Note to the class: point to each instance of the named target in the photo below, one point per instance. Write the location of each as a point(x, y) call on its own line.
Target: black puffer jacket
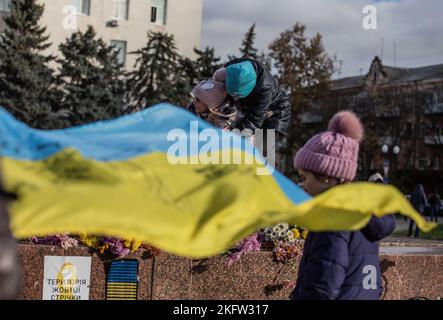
point(268, 106)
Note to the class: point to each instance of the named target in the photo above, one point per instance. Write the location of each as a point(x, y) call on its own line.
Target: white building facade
point(123, 23)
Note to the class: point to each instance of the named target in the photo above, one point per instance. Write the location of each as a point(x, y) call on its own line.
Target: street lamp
point(386, 163)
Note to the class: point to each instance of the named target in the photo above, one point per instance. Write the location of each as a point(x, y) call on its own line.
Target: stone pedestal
point(256, 276)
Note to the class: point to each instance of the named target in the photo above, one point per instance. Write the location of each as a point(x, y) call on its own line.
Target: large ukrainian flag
point(117, 178)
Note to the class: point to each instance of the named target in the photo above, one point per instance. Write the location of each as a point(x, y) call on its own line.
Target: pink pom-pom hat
point(333, 153)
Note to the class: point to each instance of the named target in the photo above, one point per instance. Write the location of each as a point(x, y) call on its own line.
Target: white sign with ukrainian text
point(66, 278)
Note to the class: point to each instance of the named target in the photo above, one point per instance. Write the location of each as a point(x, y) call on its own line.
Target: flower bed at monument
point(284, 240)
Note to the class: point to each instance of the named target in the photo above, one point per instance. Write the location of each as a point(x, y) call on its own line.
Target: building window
point(4, 5)
point(120, 46)
point(120, 9)
point(83, 6)
point(158, 11)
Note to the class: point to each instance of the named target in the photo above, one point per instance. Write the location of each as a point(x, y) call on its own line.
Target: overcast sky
point(416, 26)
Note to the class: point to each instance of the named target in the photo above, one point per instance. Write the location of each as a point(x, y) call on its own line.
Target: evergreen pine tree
point(188, 73)
point(207, 63)
point(91, 78)
point(25, 78)
point(157, 77)
point(191, 72)
point(247, 49)
point(265, 60)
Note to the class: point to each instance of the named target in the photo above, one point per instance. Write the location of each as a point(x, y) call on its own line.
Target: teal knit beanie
point(240, 79)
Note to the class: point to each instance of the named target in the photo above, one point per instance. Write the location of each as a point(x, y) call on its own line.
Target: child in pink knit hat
point(208, 94)
point(338, 265)
point(330, 158)
point(211, 102)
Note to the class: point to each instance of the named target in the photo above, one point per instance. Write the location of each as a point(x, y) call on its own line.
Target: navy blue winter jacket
point(343, 265)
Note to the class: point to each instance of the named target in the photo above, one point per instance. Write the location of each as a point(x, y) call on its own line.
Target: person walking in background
point(434, 202)
point(419, 201)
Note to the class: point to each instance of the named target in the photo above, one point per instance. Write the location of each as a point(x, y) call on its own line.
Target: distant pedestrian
point(434, 202)
point(419, 201)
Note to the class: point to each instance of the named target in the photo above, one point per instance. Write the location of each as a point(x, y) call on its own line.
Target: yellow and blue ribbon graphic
point(116, 178)
point(122, 282)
